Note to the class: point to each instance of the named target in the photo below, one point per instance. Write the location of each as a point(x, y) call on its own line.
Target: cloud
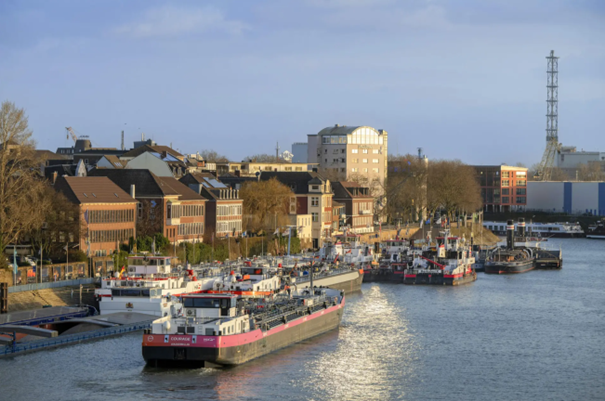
point(169, 21)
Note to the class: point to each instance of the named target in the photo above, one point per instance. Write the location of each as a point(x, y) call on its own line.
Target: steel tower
point(552, 118)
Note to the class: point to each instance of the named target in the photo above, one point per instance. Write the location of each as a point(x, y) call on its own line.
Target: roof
point(153, 149)
point(146, 183)
point(61, 170)
point(92, 190)
point(347, 190)
point(115, 161)
point(183, 190)
point(206, 179)
point(48, 155)
point(343, 130)
point(297, 181)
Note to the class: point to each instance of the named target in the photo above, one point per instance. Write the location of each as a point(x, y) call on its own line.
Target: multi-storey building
point(351, 153)
point(223, 206)
point(503, 188)
point(358, 205)
point(250, 168)
point(312, 195)
point(165, 204)
point(107, 213)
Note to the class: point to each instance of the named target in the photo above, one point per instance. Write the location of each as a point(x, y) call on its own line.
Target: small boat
point(510, 259)
point(596, 231)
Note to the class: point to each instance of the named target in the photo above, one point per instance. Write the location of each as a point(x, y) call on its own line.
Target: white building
point(566, 197)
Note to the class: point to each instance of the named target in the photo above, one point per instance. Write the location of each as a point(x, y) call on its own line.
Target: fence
point(54, 284)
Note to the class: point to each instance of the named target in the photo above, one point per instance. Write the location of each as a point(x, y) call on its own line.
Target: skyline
point(236, 78)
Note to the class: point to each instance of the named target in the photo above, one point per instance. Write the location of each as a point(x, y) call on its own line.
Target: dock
point(72, 331)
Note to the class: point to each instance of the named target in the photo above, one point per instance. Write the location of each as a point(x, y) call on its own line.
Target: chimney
point(132, 191)
point(510, 234)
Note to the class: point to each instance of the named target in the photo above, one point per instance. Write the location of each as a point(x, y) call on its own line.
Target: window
point(343, 151)
point(375, 170)
point(365, 151)
point(520, 199)
point(314, 201)
point(521, 174)
point(521, 191)
point(375, 151)
point(354, 169)
point(355, 151)
point(343, 160)
point(505, 199)
point(375, 161)
point(342, 170)
point(521, 183)
point(364, 160)
point(315, 217)
point(505, 183)
point(354, 160)
point(326, 151)
point(365, 170)
point(505, 174)
point(505, 191)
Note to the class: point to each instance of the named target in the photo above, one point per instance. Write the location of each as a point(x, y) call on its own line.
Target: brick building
point(223, 205)
point(165, 204)
point(503, 188)
point(107, 213)
point(312, 195)
point(358, 205)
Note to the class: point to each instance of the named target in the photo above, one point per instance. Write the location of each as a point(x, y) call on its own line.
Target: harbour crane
point(71, 132)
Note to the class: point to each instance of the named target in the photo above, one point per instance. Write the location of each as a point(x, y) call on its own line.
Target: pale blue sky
point(462, 79)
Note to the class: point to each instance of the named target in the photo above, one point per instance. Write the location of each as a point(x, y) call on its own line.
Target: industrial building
point(567, 197)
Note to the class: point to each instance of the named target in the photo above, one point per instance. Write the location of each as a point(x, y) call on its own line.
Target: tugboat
point(450, 263)
point(510, 259)
point(596, 231)
point(209, 330)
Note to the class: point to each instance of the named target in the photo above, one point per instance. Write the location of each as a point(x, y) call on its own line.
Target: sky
point(463, 79)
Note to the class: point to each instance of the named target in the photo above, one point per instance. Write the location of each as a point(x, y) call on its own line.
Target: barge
point(224, 330)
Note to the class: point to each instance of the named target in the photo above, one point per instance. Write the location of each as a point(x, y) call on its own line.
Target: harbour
point(547, 323)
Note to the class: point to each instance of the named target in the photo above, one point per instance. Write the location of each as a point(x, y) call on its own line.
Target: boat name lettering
point(180, 339)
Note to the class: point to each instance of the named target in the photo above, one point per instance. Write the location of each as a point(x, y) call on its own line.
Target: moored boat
point(510, 259)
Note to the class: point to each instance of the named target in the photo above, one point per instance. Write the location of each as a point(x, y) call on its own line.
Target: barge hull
point(438, 279)
point(347, 282)
point(498, 268)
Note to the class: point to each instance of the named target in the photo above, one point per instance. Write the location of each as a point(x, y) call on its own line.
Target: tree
point(452, 186)
point(62, 223)
point(591, 171)
point(265, 158)
point(266, 204)
point(23, 205)
point(152, 214)
point(406, 187)
point(213, 157)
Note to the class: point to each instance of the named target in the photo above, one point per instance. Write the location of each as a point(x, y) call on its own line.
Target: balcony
point(173, 221)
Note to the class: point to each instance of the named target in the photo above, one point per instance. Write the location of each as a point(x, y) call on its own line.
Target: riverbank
point(62, 296)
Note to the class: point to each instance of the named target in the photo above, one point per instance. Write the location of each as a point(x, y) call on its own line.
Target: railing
point(54, 284)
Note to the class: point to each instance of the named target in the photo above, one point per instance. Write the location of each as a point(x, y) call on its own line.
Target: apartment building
point(350, 153)
point(107, 213)
point(503, 188)
point(312, 195)
point(358, 205)
point(165, 204)
point(223, 206)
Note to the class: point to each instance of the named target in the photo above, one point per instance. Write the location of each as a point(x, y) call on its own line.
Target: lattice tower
point(552, 118)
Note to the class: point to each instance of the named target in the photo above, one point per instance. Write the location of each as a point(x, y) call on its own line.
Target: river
point(533, 336)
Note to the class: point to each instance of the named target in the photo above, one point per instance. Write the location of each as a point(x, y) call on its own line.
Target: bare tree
point(23, 205)
point(266, 204)
point(212, 157)
point(265, 158)
point(591, 171)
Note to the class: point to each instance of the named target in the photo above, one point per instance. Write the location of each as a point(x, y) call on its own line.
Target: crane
point(71, 132)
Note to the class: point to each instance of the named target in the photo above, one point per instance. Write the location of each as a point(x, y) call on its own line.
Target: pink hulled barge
point(227, 329)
